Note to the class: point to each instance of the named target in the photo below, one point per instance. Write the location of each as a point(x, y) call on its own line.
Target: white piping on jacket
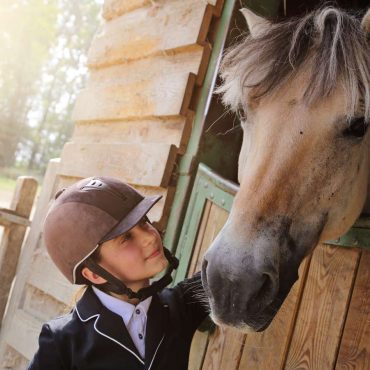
point(107, 336)
point(155, 353)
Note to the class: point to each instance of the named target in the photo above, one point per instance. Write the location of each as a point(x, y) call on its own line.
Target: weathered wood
point(9, 217)
point(13, 235)
point(31, 243)
point(149, 87)
point(144, 164)
point(202, 349)
point(13, 360)
point(323, 309)
point(267, 350)
point(197, 250)
point(354, 350)
point(216, 220)
point(115, 8)
point(46, 277)
point(167, 130)
point(151, 30)
point(198, 349)
point(224, 349)
point(25, 333)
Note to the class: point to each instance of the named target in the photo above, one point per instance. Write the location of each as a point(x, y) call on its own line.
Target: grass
point(6, 183)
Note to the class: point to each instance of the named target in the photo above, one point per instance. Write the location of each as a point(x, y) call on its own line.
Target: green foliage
point(45, 44)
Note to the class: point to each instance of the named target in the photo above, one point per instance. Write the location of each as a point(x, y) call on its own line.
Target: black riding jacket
point(91, 337)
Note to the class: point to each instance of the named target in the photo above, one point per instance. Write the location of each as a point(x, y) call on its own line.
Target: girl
point(97, 234)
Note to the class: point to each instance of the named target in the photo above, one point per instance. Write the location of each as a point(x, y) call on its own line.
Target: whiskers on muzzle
point(195, 294)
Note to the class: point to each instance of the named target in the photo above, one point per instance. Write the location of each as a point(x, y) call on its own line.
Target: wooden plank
point(224, 349)
point(46, 277)
point(13, 360)
point(9, 217)
point(213, 219)
point(24, 334)
point(115, 8)
point(323, 309)
point(197, 350)
point(43, 306)
point(134, 163)
point(24, 266)
point(167, 130)
point(12, 238)
point(216, 220)
point(150, 30)
point(145, 88)
point(199, 241)
point(354, 350)
point(263, 350)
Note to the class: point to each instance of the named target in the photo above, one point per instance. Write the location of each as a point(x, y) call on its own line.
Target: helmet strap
point(115, 285)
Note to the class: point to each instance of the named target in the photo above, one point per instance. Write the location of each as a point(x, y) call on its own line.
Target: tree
point(47, 65)
point(63, 76)
point(24, 44)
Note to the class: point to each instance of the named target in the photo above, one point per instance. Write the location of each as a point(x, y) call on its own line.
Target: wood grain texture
point(12, 238)
point(150, 30)
point(115, 8)
point(267, 350)
point(216, 218)
point(224, 349)
point(323, 309)
point(155, 130)
point(25, 333)
point(354, 350)
point(145, 88)
point(12, 324)
point(197, 350)
point(46, 277)
point(195, 258)
point(143, 164)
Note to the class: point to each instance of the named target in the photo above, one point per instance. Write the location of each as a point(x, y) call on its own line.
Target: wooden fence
point(15, 220)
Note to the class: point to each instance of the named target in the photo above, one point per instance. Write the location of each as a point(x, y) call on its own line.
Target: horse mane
point(328, 40)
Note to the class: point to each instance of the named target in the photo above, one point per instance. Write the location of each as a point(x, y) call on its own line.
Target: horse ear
point(366, 22)
point(256, 24)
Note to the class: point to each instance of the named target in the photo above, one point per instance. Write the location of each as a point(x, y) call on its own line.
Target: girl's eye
point(125, 237)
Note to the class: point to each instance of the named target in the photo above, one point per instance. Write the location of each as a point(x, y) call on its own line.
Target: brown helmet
point(87, 214)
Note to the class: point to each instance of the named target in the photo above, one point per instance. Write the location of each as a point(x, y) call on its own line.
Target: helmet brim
point(132, 218)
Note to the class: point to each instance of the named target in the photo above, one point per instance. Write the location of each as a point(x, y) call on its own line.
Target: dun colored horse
point(302, 91)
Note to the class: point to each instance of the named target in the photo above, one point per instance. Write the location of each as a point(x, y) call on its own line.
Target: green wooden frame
point(357, 236)
point(210, 186)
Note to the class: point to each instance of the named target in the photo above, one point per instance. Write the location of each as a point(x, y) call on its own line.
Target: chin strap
point(115, 285)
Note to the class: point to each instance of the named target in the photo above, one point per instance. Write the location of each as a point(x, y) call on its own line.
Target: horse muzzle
point(244, 290)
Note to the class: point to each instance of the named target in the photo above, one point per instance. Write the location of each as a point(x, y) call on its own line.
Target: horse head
point(302, 91)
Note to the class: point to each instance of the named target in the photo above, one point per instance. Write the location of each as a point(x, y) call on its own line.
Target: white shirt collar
point(122, 308)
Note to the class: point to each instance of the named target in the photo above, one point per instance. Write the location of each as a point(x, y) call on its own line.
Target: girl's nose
point(147, 235)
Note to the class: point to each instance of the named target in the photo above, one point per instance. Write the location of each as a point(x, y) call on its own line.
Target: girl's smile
point(133, 257)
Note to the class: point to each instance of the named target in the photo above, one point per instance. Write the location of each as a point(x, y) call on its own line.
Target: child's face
point(136, 255)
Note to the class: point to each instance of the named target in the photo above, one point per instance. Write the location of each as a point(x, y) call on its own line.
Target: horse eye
point(357, 127)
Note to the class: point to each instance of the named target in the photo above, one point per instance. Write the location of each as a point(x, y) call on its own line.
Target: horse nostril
point(265, 294)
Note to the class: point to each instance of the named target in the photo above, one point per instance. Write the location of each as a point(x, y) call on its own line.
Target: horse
point(301, 89)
